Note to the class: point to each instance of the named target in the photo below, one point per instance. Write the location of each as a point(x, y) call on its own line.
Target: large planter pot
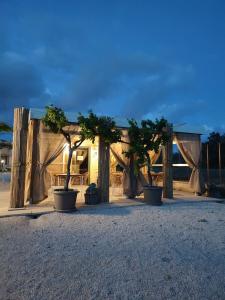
point(153, 195)
point(65, 200)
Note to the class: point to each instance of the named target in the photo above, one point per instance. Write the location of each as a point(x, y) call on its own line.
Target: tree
point(143, 139)
point(89, 127)
point(214, 141)
point(56, 121)
point(103, 127)
point(216, 137)
point(4, 127)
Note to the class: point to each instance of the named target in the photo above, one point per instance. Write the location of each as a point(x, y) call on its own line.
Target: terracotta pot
point(153, 195)
point(65, 200)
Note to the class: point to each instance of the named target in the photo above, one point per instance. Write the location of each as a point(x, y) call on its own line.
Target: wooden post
point(20, 128)
point(220, 165)
point(207, 155)
point(103, 170)
point(132, 179)
point(168, 165)
point(31, 159)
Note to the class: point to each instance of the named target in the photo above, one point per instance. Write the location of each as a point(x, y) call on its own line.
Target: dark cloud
point(159, 89)
point(108, 76)
point(58, 43)
point(179, 112)
point(145, 83)
point(19, 82)
point(82, 56)
point(47, 38)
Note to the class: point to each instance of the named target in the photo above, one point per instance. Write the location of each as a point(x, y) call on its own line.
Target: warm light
point(80, 157)
point(94, 154)
point(2, 161)
point(66, 148)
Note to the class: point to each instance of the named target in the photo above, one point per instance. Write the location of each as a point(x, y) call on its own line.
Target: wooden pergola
point(23, 123)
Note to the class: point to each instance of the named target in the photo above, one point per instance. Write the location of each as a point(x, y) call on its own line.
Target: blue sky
point(124, 58)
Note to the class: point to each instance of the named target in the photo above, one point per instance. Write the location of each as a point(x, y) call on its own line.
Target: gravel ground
point(176, 251)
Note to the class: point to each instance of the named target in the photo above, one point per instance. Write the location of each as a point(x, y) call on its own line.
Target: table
point(62, 176)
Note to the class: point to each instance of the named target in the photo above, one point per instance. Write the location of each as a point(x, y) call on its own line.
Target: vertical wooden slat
point(31, 159)
point(103, 171)
point(207, 155)
point(20, 128)
point(220, 165)
point(168, 165)
point(132, 179)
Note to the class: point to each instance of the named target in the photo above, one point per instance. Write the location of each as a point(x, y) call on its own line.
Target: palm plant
point(4, 127)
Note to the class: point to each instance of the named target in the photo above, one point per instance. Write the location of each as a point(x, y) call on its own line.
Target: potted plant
point(105, 128)
point(56, 121)
point(89, 127)
point(143, 139)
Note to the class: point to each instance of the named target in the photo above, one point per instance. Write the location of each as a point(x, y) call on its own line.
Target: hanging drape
point(124, 163)
point(48, 146)
point(190, 147)
point(155, 156)
point(132, 185)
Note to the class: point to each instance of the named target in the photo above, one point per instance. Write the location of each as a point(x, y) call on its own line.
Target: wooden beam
point(20, 129)
point(220, 163)
point(207, 155)
point(132, 179)
point(168, 165)
point(31, 159)
point(103, 170)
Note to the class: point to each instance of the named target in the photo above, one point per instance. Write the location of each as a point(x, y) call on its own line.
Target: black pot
point(153, 195)
point(91, 198)
point(65, 200)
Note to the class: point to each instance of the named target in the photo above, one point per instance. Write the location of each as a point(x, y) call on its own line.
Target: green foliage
point(55, 119)
point(210, 149)
point(216, 137)
point(4, 127)
point(90, 127)
point(104, 127)
point(144, 138)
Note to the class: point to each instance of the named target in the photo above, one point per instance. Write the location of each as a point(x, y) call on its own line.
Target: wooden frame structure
point(24, 126)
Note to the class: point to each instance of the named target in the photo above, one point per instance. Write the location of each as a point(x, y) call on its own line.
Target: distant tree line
point(215, 145)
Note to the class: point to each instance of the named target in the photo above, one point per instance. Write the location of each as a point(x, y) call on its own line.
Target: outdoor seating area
point(48, 153)
point(76, 179)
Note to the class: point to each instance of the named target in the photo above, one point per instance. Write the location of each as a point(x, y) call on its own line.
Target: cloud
point(19, 82)
point(182, 111)
point(108, 77)
point(78, 72)
point(161, 90)
point(141, 83)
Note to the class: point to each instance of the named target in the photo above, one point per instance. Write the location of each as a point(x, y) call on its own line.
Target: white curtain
point(132, 185)
point(190, 147)
point(48, 146)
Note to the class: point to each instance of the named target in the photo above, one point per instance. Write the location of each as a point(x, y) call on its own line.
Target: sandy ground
point(176, 251)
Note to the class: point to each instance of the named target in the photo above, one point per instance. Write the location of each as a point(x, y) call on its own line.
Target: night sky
point(123, 58)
